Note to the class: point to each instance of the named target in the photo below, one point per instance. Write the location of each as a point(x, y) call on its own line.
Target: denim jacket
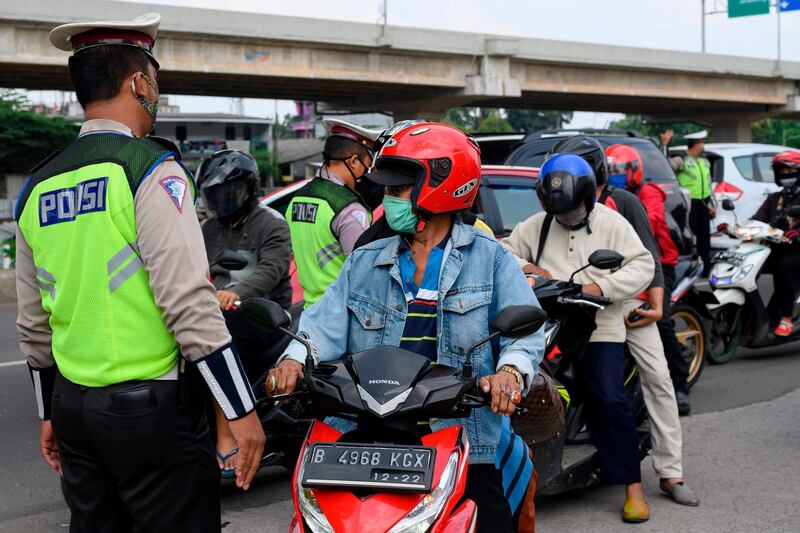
point(366, 307)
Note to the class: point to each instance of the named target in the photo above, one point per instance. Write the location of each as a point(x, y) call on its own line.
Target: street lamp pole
point(778, 8)
point(703, 25)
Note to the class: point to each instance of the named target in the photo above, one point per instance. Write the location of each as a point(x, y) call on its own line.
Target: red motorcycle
point(384, 474)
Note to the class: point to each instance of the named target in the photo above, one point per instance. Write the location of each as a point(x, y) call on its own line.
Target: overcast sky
point(663, 24)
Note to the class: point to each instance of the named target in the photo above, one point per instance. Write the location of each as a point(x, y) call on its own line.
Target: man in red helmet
point(434, 289)
point(784, 261)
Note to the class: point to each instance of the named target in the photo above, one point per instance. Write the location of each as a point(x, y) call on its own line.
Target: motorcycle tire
point(720, 352)
point(691, 331)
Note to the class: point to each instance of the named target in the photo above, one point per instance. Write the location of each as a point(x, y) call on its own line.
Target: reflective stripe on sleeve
point(227, 381)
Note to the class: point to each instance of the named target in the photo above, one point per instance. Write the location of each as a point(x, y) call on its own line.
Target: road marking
point(13, 363)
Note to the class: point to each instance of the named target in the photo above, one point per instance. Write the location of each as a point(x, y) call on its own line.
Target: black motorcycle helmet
point(590, 150)
point(566, 182)
point(228, 182)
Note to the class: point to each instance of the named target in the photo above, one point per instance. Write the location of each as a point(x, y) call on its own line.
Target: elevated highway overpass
point(408, 71)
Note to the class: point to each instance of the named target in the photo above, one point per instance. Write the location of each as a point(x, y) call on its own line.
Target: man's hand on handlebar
point(592, 289)
point(283, 378)
point(227, 299)
point(530, 268)
point(498, 385)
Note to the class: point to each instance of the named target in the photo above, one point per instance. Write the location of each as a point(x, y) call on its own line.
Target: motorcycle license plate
point(349, 466)
point(732, 258)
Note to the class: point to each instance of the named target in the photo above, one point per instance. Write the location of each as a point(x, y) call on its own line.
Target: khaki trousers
point(659, 396)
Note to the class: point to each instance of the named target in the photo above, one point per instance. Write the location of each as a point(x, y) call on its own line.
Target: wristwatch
point(516, 373)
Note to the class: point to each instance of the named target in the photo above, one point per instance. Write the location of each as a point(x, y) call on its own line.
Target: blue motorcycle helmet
point(566, 182)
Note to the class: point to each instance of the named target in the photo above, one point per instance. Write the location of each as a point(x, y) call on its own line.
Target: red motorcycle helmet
point(790, 159)
point(624, 159)
point(441, 162)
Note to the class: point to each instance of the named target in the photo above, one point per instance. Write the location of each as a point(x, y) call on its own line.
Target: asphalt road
point(741, 449)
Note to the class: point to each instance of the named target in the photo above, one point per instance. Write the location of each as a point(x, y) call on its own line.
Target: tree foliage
point(777, 131)
point(478, 120)
point(649, 129)
point(26, 137)
point(284, 126)
point(531, 120)
point(263, 159)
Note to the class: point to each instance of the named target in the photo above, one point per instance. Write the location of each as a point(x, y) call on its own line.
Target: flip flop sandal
point(227, 473)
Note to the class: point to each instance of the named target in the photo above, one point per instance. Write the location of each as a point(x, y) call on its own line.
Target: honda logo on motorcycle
point(383, 382)
point(465, 189)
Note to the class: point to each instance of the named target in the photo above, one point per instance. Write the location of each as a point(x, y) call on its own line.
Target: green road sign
point(746, 8)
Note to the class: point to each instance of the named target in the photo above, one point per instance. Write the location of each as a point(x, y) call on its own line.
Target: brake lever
point(471, 400)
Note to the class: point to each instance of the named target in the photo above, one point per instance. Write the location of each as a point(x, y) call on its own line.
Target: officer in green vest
point(115, 299)
point(694, 173)
point(328, 215)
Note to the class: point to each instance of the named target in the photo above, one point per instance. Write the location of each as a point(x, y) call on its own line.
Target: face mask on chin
point(574, 219)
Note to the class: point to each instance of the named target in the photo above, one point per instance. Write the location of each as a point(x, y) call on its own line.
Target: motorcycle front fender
point(727, 296)
point(700, 302)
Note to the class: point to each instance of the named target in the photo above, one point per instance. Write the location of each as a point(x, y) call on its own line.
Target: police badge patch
point(176, 188)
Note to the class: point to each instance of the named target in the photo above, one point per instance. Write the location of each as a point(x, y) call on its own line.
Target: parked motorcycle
point(384, 476)
point(570, 460)
point(740, 315)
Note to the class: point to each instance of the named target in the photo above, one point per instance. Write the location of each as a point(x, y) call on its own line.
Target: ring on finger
point(272, 383)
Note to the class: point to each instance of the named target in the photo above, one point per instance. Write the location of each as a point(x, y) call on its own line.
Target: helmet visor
point(225, 199)
point(622, 167)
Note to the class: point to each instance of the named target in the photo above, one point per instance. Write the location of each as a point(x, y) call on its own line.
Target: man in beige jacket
point(573, 227)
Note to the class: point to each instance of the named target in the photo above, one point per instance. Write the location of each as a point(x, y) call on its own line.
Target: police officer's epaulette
point(169, 145)
point(44, 161)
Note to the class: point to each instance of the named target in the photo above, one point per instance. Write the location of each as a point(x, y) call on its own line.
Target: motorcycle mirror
point(727, 204)
point(272, 317)
point(230, 260)
point(606, 259)
point(793, 211)
point(266, 314)
point(518, 321)
point(602, 259)
point(514, 322)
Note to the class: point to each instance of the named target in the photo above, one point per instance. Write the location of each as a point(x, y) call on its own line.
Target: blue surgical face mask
point(399, 215)
point(618, 180)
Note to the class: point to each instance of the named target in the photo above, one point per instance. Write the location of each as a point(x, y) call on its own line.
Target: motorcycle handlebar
point(599, 300)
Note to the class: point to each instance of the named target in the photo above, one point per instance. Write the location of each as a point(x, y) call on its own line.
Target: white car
point(741, 172)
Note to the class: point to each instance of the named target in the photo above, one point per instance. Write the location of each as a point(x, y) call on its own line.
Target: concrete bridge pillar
point(733, 129)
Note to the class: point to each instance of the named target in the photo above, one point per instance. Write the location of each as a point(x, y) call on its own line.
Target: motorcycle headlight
point(309, 506)
point(422, 517)
point(745, 233)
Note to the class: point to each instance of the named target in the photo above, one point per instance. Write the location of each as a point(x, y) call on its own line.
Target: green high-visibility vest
point(77, 214)
point(696, 177)
point(317, 253)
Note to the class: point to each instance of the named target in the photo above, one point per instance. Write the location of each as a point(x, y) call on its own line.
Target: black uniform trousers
point(677, 363)
point(700, 222)
point(136, 457)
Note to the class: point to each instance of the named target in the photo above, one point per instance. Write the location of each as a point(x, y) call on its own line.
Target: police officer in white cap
point(694, 173)
point(118, 320)
point(328, 215)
